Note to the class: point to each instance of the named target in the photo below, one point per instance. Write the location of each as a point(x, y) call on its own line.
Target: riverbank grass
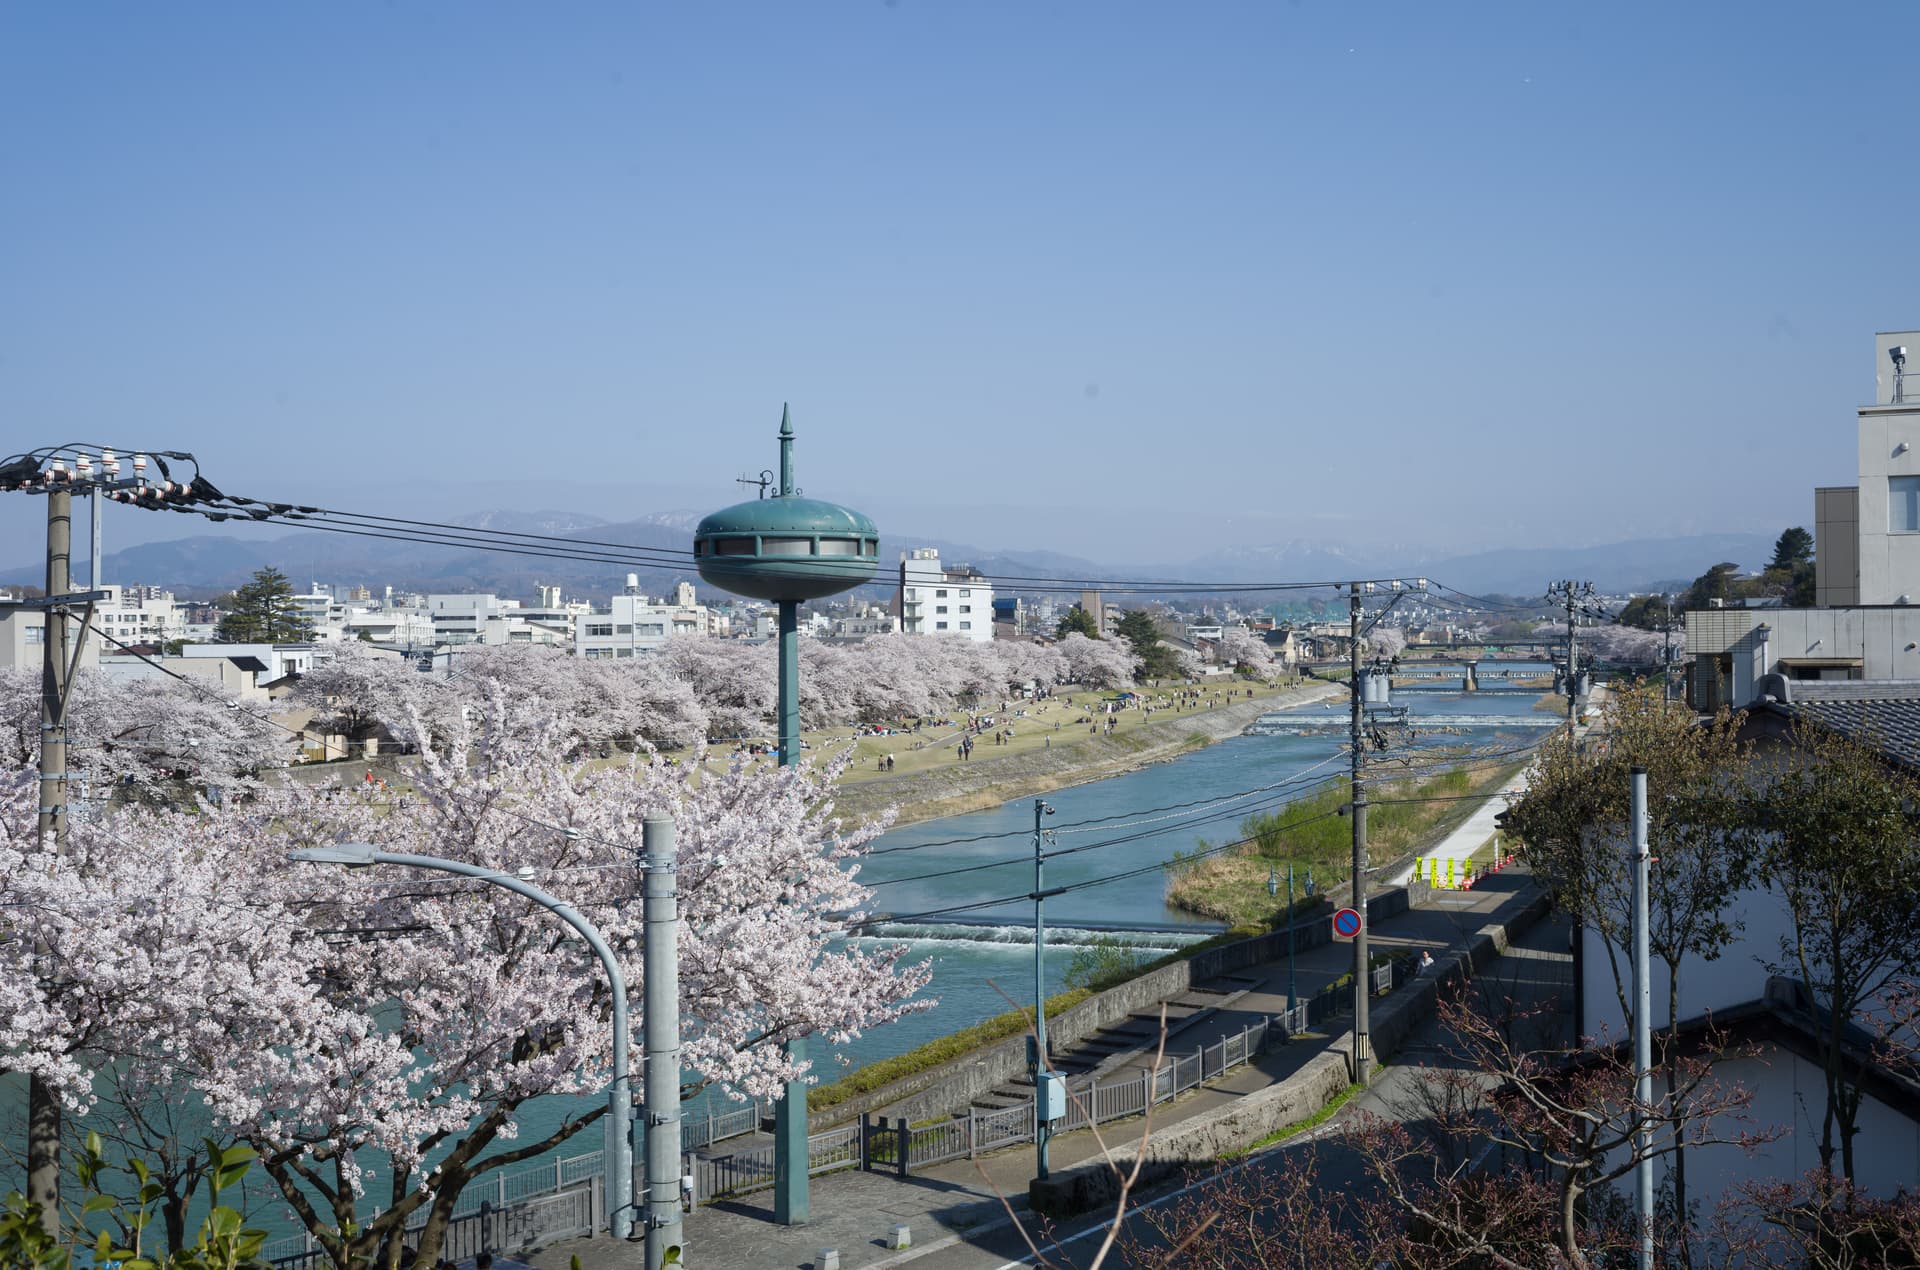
point(1403, 817)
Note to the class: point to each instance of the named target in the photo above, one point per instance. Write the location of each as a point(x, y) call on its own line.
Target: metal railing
point(544, 1203)
point(504, 1190)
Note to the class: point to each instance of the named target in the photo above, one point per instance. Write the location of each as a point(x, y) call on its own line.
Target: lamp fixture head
point(1899, 354)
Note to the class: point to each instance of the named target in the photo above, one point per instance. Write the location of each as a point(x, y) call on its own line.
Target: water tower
point(787, 549)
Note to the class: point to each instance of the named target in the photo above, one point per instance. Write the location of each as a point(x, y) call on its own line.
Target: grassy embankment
point(1054, 744)
point(1309, 833)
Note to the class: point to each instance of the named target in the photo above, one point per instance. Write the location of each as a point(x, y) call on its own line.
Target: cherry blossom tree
point(1626, 644)
point(356, 689)
point(733, 680)
point(1386, 641)
point(1244, 651)
point(374, 1035)
point(1099, 663)
point(151, 735)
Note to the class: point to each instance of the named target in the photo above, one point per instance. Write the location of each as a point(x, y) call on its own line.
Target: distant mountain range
point(207, 565)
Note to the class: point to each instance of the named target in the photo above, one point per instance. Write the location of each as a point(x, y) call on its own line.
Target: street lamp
point(619, 1174)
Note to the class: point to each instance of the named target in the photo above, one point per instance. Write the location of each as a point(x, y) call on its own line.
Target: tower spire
point(786, 450)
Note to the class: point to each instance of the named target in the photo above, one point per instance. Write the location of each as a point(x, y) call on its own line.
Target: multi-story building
point(1866, 623)
point(470, 619)
point(635, 624)
point(938, 599)
point(23, 638)
point(139, 615)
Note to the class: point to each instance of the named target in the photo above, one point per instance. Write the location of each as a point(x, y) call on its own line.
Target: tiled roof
point(1883, 715)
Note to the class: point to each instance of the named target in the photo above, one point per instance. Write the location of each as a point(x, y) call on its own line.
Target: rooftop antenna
point(763, 480)
point(1899, 355)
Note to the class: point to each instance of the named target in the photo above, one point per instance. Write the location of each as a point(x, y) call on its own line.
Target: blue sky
point(1127, 280)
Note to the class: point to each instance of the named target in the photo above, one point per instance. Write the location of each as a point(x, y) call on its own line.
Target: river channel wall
point(987, 780)
point(1233, 1128)
point(952, 1086)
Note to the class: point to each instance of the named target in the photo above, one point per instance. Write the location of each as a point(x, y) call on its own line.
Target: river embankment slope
point(1074, 758)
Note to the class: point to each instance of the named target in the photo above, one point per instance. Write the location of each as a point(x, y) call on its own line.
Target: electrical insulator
point(140, 465)
point(109, 463)
point(84, 467)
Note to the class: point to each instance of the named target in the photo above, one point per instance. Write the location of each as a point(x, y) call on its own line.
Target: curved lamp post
point(619, 1172)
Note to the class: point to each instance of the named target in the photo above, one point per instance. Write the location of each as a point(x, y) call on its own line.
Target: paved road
point(1535, 972)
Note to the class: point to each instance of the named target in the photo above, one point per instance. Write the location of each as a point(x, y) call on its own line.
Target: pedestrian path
point(1472, 834)
point(853, 1212)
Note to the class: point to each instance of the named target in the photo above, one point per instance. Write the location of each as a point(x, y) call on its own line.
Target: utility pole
point(1356, 738)
point(1572, 594)
point(660, 980)
point(45, 471)
point(43, 1106)
point(1042, 1108)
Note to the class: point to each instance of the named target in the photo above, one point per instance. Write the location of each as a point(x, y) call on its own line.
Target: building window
point(624, 628)
point(939, 608)
point(941, 594)
point(913, 593)
point(966, 608)
point(623, 652)
point(601, 629)
point(939, 626)
point(652, 628)
point(966, 626)
point(1903, 507)
point(965, 592)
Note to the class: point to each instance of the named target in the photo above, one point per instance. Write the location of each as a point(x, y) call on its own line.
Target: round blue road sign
point(1346, 923)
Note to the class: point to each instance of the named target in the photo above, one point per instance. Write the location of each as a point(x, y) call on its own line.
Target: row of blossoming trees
point(703, 688)
point(373, 1035)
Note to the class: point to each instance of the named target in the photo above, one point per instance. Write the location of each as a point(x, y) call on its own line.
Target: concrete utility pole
point(43, 1107)
point(1356, 736)
point(47, 471)
point(1041, 1106)
point(1572, 594)
point(1642, 1025)
point(660, 979)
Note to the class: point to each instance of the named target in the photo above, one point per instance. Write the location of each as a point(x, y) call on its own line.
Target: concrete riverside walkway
point(852, 1211)
point(1473, 831)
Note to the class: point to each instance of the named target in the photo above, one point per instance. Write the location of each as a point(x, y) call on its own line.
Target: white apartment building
point(139, 615)
point(470, 619)
point(936, 599)
point(323, 617)
point(408, 627)
point(634, 624)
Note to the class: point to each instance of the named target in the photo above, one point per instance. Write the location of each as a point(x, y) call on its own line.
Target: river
point(1110, 839)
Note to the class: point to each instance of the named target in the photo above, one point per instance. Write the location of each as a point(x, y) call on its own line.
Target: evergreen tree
point(1794, 547)
point(1077, 621)
point(261, 612)
point(1157, 660)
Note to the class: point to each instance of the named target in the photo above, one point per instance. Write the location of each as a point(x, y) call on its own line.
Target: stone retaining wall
point(1203, 1139)
point(953, 1085)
